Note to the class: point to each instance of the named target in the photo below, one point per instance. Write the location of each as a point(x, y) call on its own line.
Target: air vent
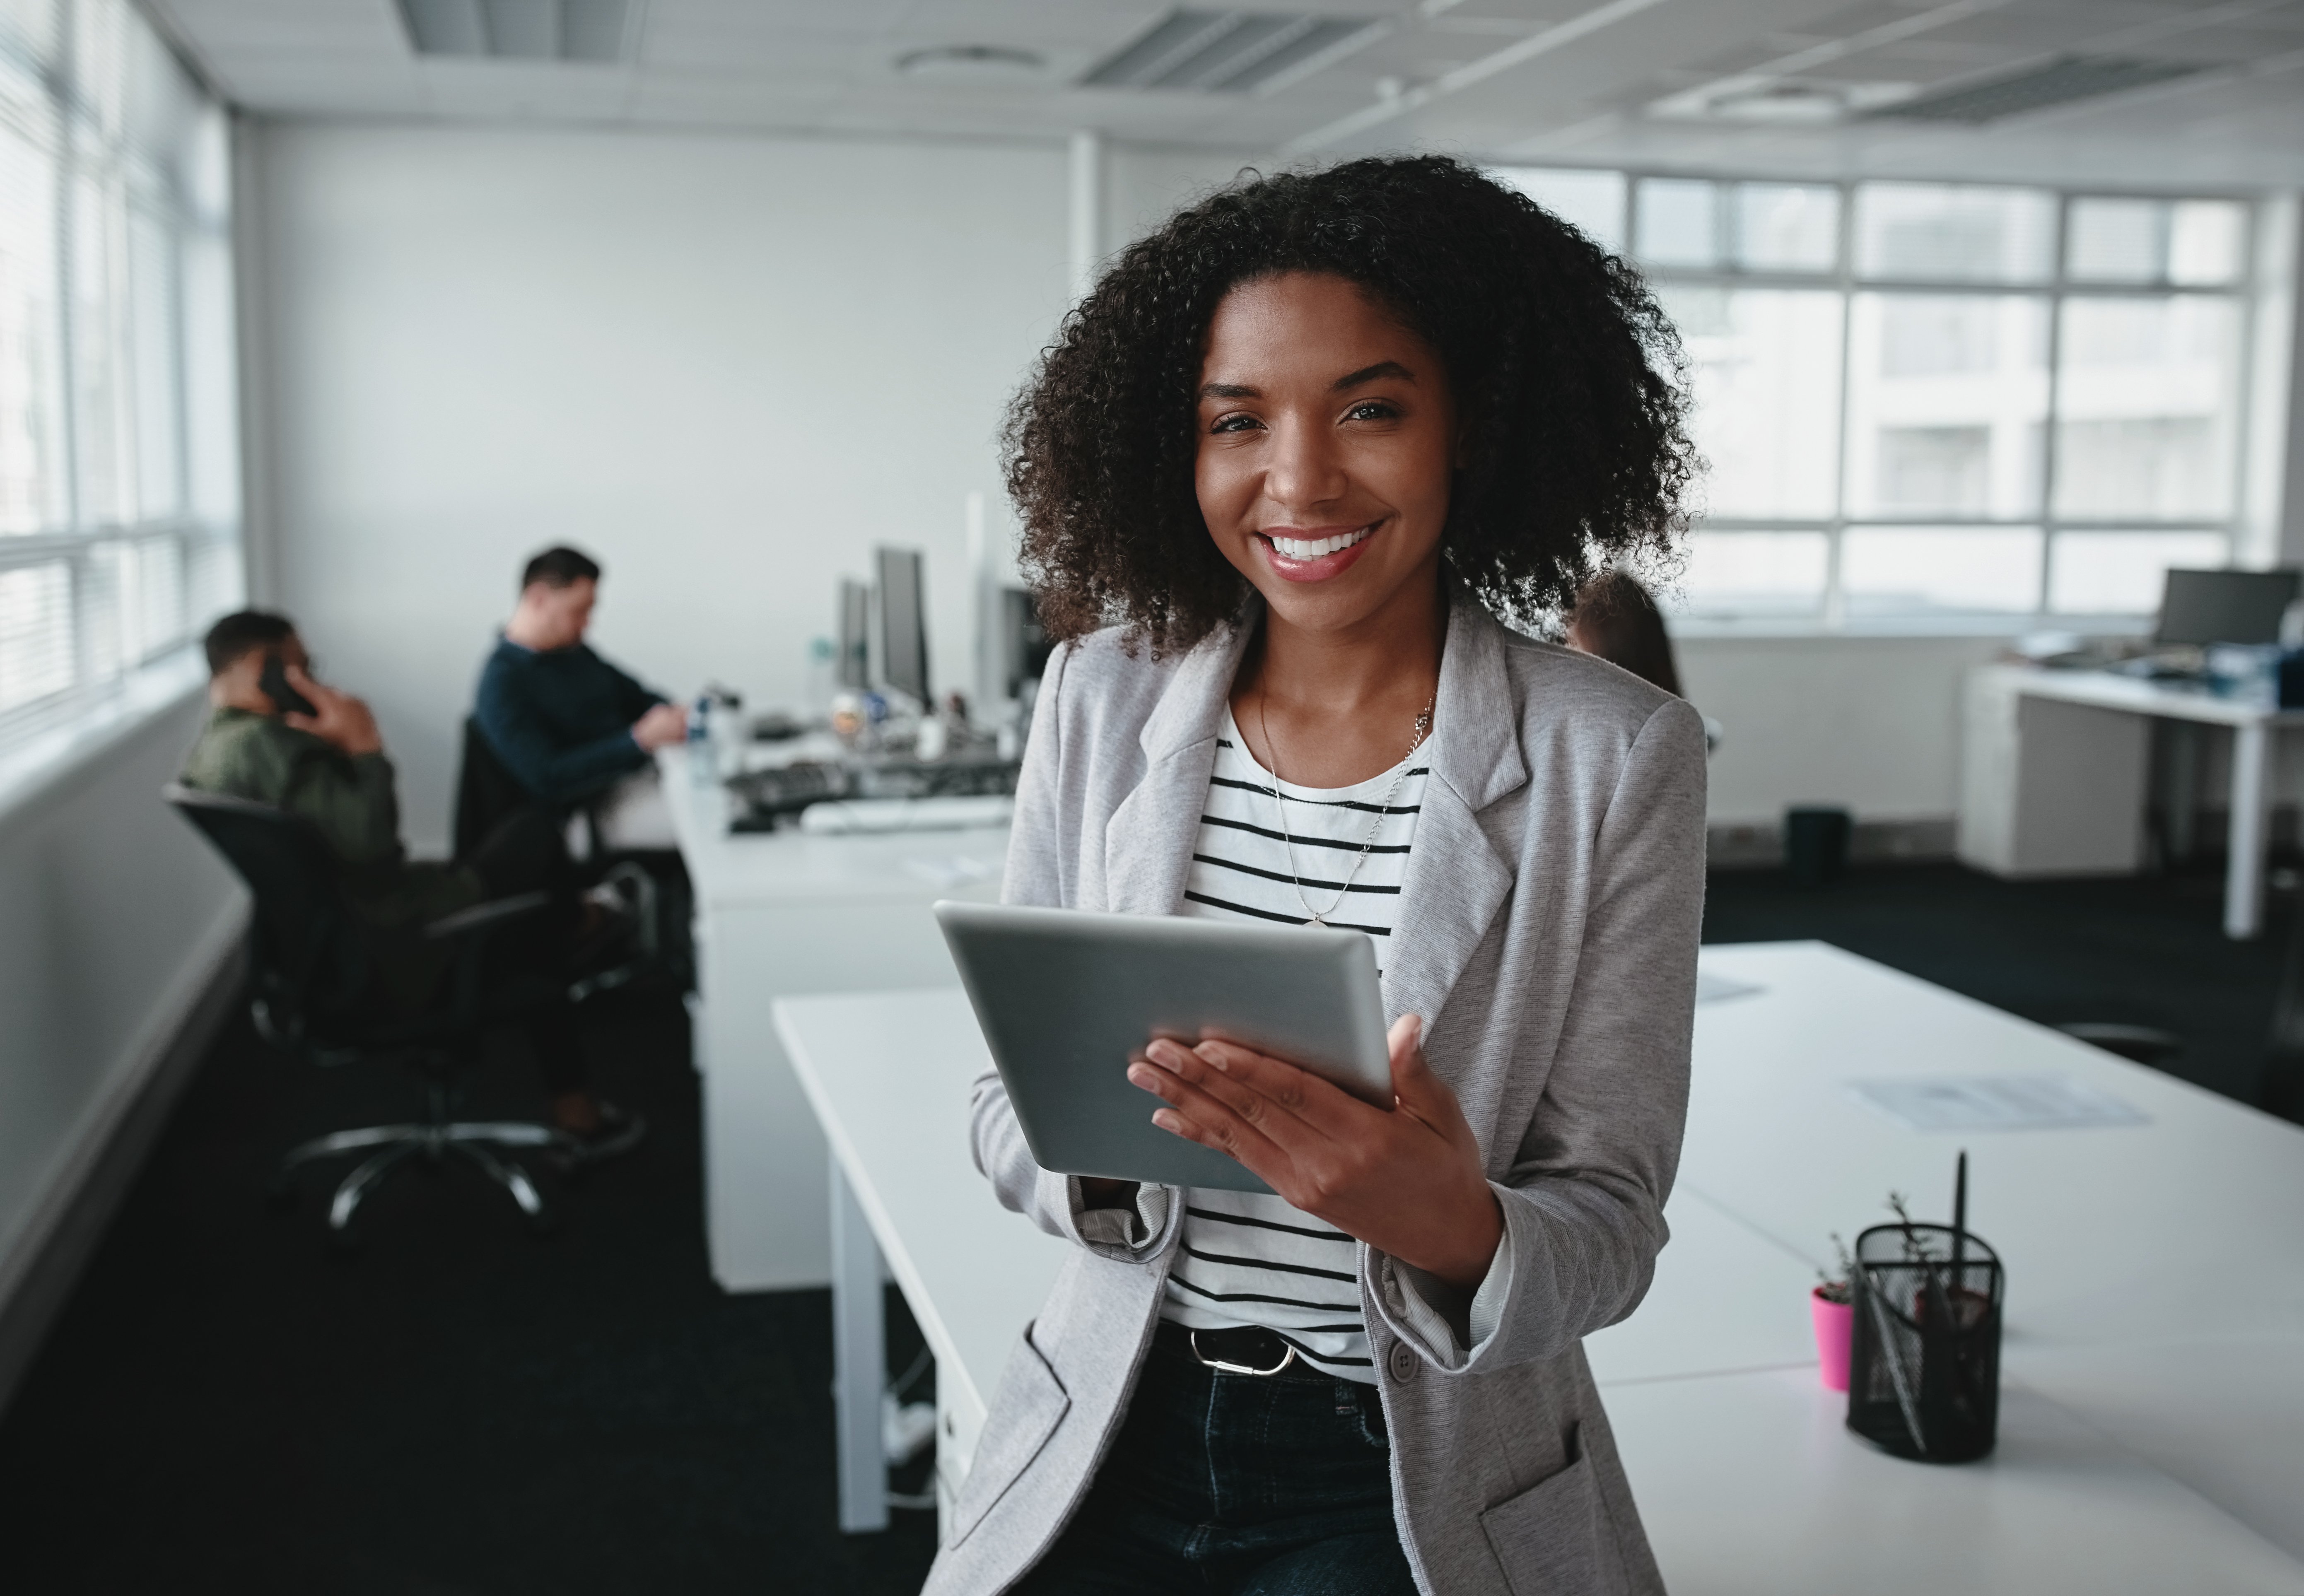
point(589, 30)
point(1229, 52)
point(2066, 79)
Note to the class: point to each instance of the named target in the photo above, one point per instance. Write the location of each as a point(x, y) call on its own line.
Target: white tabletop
point(2120, 1233)
point(2152, 1435)
point(2156, 1271)
point(1750, 1485)
point(2177, 700)
point(888, 1075)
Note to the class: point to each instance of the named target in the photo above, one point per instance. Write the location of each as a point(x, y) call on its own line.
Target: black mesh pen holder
point(1924, 1358)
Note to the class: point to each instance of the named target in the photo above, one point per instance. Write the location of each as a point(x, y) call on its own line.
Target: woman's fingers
point(1230, 1087)
point(1418, 1089)
point(1297, 1092)
point(1200, 1116)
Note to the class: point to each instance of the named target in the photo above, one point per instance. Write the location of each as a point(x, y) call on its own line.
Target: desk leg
point(860, 1362)
point(2252, 817)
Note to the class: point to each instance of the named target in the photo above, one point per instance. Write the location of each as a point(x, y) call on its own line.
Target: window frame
point(90, 147)
point(2054, 292)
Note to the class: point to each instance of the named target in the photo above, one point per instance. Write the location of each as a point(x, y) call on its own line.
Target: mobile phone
point(274, 681)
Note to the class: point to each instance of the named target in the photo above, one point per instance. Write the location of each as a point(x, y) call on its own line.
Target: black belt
point(1241, 1349)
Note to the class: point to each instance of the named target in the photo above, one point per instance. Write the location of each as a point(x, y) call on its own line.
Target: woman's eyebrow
point(1368, 374)
point(1352, 379)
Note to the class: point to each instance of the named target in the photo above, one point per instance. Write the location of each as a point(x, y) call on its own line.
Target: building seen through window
point(1933, 399)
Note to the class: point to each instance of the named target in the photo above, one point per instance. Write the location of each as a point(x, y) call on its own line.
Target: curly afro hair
point(1568, 376)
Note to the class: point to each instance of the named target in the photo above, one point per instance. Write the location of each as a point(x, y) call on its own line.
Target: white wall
point(1869, 722)
point(113, 914)
point(732, 365)
point(728, 366)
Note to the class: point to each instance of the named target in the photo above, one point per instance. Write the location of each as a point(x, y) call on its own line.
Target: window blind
point(120, 534)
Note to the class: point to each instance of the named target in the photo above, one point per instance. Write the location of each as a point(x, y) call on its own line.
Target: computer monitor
point(851, 666)
point(1024, 646)
point(2224, 606)
point(902, 632)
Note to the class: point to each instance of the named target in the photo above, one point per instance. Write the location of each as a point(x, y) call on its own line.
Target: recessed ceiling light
point(1783, 101)
point(985, 61)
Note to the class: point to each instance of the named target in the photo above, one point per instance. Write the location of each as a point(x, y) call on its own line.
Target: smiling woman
point(1289, 455)
point(1572, 450)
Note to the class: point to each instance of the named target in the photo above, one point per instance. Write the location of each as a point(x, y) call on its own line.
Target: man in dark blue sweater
point(566, 723)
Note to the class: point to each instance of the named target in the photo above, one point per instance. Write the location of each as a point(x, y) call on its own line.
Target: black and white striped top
point(1250, 1258)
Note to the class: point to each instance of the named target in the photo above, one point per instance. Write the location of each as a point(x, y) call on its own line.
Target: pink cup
point(1832, 1322)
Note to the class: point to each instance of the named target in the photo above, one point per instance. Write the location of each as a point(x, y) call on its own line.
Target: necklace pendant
point(1316, 920)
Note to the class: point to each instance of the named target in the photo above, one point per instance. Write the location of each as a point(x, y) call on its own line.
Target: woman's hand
point(1407, 1181)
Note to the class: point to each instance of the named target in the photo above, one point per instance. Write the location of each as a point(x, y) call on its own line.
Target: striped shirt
point(1250, 1258)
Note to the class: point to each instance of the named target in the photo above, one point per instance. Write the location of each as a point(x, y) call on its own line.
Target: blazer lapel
point(1456, 880)
point(1147, 843)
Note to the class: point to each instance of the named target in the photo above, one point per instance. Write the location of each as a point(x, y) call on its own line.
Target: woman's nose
point(1305, 469)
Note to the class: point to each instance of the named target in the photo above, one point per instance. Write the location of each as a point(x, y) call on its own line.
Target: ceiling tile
point(830, 65)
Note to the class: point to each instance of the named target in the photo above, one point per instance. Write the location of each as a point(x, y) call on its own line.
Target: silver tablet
point(1065, 999)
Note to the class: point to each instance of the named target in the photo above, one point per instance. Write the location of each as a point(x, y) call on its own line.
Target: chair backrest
point(308, 952)
point(488, 794)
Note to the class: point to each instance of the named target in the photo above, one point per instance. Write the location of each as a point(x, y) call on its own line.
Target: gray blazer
point(1547, 933)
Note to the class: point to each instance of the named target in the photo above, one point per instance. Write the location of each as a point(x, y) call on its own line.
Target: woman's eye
point(1232, 424)
point(1371, 409)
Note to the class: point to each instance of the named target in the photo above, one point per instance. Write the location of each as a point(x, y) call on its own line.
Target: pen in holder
point(1924, 1355)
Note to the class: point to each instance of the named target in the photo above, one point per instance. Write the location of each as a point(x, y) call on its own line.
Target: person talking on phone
point(1285, 476)
point(277, 736)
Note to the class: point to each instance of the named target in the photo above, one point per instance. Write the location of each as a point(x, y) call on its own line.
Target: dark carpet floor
point(462, 1409)
point(459, 1408)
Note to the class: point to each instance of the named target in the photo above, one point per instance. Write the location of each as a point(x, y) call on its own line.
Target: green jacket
point(350, 800)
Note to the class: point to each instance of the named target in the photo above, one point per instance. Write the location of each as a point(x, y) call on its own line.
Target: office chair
point(488, 795)
point(314, 996)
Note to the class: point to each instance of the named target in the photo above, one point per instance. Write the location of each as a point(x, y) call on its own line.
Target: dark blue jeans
point(1276, 1486)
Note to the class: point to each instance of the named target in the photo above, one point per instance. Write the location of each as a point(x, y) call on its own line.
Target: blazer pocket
point(1026, 1409)
point(1547, 1538)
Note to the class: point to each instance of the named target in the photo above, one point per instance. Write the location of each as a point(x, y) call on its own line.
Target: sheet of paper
point(1996, 1102)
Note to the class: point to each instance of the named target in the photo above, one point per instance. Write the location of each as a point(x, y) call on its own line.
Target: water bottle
point(821, 683)
point(703, 766)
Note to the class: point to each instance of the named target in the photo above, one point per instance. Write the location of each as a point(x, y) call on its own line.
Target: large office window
point(120, 532)
point(1932, 401)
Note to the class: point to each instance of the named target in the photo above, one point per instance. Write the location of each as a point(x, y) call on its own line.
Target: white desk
point(2056, 793)
point(888, 1077)
point(2152, 1435)
point(780, 913)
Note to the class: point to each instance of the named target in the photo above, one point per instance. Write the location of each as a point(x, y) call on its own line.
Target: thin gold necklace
point(1319, 917)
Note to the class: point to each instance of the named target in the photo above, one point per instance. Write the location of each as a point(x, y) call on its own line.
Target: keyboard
point(766, 796)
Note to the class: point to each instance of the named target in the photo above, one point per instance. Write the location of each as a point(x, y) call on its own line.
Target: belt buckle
point(1287, 1356)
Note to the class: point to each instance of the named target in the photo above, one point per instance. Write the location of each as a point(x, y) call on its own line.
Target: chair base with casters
point(433, 1138)
point(313, 973)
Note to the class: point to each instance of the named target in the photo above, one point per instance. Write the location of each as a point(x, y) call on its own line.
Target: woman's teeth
point(1312, 548)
